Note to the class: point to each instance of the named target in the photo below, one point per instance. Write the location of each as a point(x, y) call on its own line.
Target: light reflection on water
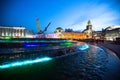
point(89, 64)
point(32, 40)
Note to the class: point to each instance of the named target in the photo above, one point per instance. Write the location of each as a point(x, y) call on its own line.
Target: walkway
point(113, 47)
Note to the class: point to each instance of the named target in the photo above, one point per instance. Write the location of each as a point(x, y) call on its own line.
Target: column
point(6, 31)
point(12, 32)
point(21, 32)
point(24, 32)
point(15, 32)
point(0, 32)
point(9, 32)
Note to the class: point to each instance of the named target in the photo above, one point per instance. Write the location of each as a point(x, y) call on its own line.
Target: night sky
point(61, 13)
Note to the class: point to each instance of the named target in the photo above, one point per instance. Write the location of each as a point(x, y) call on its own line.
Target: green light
point(7, 38)
point(50, 44)
point(66, 44)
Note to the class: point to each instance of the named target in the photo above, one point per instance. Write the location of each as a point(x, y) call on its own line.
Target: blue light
point(35, 45)
point(31, 45)
point(25, 62)
point(83, 47)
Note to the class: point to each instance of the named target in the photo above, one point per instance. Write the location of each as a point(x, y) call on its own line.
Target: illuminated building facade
point(74, 35)
point(86, 34)
point(112, 33)
point(69, 35)
point(97, 35)
point(14, 32)
point(59, 32)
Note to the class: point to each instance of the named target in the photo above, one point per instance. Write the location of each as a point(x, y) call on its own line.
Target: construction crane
point(38, 27)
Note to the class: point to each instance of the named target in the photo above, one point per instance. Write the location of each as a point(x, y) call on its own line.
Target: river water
point(93, 63)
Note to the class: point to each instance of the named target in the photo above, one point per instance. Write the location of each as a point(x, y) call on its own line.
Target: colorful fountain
point(18, 52)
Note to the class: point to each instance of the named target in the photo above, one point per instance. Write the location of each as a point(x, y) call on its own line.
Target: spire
point(89, 23)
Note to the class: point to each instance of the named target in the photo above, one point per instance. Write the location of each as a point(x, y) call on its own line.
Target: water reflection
point(69, 63)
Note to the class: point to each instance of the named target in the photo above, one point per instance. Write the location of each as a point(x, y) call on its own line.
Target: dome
point(59, 28)
point(89, 23)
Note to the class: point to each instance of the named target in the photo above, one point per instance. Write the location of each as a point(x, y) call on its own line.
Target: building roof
point(59, 28)
point(12, 27)
point(115, 30)
point(112, 28)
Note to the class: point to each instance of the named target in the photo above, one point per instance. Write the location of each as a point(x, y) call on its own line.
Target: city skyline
point(72, 14)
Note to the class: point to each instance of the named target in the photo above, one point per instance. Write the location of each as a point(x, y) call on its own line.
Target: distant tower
point(88, 30)
point(89, 25)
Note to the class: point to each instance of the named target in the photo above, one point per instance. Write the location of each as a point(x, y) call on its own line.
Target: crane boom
point(38, 27)
point(47, 27)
